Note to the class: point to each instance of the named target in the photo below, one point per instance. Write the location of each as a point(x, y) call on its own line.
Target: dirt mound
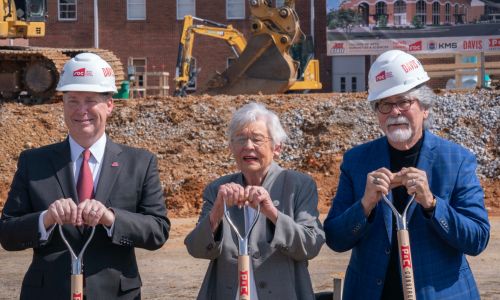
point(189, 137)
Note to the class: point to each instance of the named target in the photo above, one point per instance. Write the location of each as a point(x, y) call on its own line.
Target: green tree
point(417, 22)
point(343, 18)
point(382, 21)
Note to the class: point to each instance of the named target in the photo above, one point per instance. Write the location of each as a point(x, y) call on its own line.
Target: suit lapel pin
point(276, 202)
point(115, 164)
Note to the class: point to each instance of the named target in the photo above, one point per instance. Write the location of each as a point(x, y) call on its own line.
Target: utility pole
point(96, 24)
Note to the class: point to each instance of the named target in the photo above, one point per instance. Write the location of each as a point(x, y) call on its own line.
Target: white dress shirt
point(95, 163)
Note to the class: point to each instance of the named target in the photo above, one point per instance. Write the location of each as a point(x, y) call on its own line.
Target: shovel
point(405, 262)
point(243, 258)
point(76, 266)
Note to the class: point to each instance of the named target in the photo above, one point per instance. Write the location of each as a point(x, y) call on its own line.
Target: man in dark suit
point(86, 180)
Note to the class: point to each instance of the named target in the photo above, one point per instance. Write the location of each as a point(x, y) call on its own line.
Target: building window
point(235, 9)
point(342, 84)
point(354, 84)
point(136, 9)
point(363, 10)
point(399, 12)
point(435, 13)
point(185, 7)
point(67, 10)
point(457, 14)
point(137, 76)
point(421, 12)
point(381, 13)
point(447, 12)
point(230, 61)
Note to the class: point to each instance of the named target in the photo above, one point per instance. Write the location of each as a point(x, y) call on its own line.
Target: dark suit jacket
point(128, 183)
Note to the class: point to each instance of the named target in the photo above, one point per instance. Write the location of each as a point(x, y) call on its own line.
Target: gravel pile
point(469, 119)
point(188, 135)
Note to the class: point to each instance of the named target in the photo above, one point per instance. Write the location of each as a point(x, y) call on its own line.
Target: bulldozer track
point(17, 60)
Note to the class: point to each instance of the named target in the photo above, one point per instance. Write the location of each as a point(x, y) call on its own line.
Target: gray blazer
point(278, 252)
point(129, 184)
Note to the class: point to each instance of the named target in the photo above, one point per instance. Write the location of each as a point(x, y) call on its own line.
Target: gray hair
point(425, 96)
point(253, 112)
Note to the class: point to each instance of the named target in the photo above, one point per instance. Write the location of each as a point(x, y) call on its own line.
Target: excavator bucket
point(261, 68)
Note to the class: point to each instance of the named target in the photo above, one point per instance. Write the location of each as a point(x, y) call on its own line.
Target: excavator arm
point(264, 64)
point(184, 72)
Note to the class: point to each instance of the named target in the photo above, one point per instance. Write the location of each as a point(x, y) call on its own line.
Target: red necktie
point(85, 184)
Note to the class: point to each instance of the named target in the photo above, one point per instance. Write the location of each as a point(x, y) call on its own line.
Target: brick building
point(428, 12)
point(146, 34)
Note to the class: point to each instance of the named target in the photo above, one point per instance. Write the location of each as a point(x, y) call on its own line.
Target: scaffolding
point(152, 84)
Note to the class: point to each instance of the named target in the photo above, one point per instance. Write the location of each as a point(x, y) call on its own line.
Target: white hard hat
point(87, 72)
point(394, 72)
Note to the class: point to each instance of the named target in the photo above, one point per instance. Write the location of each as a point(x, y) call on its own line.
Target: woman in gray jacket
point(287, 233)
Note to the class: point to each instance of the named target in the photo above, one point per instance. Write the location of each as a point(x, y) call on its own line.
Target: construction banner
point(471, 44)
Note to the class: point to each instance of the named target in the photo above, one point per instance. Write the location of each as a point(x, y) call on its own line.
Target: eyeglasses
point(257, 140)
point(386, 107)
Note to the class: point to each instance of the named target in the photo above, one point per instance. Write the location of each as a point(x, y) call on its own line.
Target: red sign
point(494, 43)
point(244, 283)
point(410, 66)
point(417, 46)
point(406, 256)
point(337, 48)
point(474, 44)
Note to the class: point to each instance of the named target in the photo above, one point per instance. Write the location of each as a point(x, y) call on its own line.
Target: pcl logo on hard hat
point(82, 72)
point(383, 76)
point(108, 72)
point(410, 66)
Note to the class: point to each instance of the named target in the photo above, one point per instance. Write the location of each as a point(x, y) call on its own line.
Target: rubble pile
point(189, 136)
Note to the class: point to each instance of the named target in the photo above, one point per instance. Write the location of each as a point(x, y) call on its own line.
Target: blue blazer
point(439, 243)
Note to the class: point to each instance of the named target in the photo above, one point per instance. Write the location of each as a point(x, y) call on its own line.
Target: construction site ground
point(188, 136)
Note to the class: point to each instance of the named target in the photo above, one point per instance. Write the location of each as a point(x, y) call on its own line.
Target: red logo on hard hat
point(82, 72)
point(383, 76)
point(410, 66)
point(417, 46)
point(107, 72)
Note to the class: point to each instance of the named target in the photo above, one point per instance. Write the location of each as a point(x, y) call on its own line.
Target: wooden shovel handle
point(244, 277)
point(77, 287)
point(406, 265)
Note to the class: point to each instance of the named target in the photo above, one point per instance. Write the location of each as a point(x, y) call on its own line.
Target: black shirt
point(393, 289)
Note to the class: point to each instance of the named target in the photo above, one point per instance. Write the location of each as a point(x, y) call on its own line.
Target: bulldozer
point(263, 64)
point(31, 74)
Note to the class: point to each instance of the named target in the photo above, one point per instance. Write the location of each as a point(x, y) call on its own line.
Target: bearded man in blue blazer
point(84, 181)
point(448, 219)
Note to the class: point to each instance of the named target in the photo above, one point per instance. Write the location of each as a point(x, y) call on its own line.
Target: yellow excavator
point(263, 64)
point(30, 74)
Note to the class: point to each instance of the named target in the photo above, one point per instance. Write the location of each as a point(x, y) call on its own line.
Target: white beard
point(399, 135)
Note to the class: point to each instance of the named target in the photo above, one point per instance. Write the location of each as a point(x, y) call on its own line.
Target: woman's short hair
point(253, 112)
point(425, 96)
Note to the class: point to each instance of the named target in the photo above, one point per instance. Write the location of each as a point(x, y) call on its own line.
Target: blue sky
point(332, 4)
